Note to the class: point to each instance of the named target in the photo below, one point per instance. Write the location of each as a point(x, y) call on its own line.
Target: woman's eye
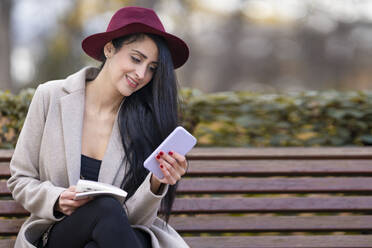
point(136, 60)
point(153, 69)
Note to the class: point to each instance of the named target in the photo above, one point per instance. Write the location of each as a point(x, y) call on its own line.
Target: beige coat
point(47, 156)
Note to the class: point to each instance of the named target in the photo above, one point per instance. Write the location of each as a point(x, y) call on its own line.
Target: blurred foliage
point(13, 110)
point(310, 118)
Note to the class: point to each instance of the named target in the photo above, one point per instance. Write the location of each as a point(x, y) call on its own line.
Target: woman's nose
point(141, 72)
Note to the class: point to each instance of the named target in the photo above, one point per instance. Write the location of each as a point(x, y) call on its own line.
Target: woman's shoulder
point(72, 82)
point(50, 86)
point(50, 91)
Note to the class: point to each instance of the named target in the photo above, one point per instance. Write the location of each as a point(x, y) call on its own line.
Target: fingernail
point(161, 153)
point(170, 153)
point(158, 157)
point(161, 166)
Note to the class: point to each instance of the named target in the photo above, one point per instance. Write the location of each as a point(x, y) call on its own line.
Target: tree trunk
point(147, 3)
point(5, 47)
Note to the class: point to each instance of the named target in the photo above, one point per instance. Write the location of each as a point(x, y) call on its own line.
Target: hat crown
point(132, 20)
point(129, 15)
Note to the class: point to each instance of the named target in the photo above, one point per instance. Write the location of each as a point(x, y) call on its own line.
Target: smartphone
point(180, 141)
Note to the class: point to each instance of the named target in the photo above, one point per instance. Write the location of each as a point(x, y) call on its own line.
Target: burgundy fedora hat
point(130, 20)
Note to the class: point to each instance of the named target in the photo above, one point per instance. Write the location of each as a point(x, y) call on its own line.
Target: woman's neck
point(100, 96)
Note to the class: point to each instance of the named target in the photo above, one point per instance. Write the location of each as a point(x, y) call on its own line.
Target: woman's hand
point(173, 165)
point(66, 203)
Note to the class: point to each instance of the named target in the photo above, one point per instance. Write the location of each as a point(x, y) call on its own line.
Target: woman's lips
point(131, 82)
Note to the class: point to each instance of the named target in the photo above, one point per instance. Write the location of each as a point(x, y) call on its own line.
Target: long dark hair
point(147, 117)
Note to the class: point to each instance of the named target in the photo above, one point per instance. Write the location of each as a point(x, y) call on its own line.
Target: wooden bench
point(259, 197)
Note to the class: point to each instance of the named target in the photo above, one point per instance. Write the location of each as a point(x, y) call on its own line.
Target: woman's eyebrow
point(143, 55)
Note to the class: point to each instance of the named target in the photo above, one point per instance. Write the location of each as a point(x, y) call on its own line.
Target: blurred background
point(258, 45)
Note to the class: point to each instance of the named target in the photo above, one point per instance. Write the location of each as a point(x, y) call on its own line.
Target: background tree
point(5, 45)
point(234, 45)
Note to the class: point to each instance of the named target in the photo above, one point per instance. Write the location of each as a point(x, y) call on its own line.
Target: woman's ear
point(108, 50)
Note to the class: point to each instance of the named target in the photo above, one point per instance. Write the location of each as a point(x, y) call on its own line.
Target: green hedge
point(13, 110)
point(311, 118)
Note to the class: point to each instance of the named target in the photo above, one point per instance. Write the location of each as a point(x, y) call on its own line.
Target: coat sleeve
point(143, 206)
point(35, 196)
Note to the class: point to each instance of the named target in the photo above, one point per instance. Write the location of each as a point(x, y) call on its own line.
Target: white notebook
point(86, 188)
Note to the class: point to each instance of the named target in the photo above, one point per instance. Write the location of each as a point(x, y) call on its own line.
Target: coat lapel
point(72, 111)
point(114, 154)
point(72, 108)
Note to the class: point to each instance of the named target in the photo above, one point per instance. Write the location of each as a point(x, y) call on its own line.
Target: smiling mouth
point(131, 82)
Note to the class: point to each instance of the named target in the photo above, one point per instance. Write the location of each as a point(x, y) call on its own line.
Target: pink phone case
point(179, 141)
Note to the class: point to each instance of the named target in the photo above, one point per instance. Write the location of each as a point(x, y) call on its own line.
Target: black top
point(89, 168)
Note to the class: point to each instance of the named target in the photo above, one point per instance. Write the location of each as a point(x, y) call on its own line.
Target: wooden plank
point(6, 154)
point(7, 243)
point(245, 205)
point(10, 207)
point(319, 241)
point(10, 226)
point(197, 224)
point(203, 153)
point(278, 152)
point(266, 167)
point(213, 223)
point(274, 185)
point(262, 204)
point(4, 189)
point(275, 167)
point(4, 170)
point(251, 153)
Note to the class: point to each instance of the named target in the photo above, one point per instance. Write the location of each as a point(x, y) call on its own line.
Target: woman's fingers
point(180, 159)
point(66, 203)
point(176, 160)
point(170, 175)
point(173, 166)
point(68, 195)
point(65, 206)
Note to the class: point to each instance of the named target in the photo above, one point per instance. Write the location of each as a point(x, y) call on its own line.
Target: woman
point(101, 124)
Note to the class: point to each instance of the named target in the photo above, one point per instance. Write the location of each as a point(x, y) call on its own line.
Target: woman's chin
point(126, 93)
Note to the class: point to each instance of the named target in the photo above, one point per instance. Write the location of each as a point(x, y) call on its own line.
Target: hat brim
point(93, 45)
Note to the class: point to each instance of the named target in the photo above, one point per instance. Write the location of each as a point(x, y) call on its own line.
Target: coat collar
point(72, 111)
point(76, 81)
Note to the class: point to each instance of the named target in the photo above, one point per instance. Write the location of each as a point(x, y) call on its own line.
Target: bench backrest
point(276, 197)
point(253, 197)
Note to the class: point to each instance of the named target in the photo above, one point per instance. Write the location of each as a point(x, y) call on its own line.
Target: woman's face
point(133, 66)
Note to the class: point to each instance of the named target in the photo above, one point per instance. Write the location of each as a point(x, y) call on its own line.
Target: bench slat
point(266, 167)
point(4, 189)
point(281, 153)
point(10, 207)
point(270, 223)
point(261, 153)
point(245, 224)
point(274, 185)
point(319, 241)
point(6, 154)
point(246, 205)
point(265, 185)
point(4, 169)
point(10, 226)
point(279, 167)
point(7, 243)
point(262, 204)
